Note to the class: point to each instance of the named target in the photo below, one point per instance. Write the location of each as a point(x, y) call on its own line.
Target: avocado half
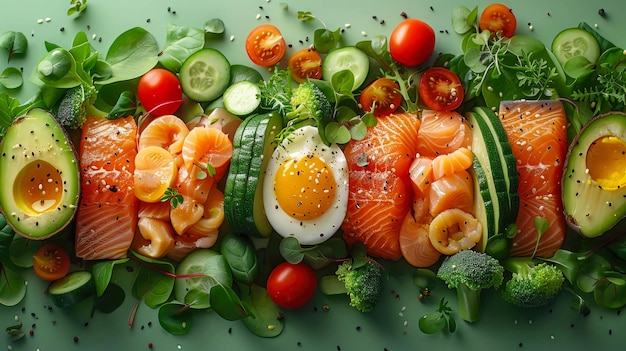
point(594, 176)
point(39, 176)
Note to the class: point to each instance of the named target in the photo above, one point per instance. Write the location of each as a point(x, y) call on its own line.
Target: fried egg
point(305, 190)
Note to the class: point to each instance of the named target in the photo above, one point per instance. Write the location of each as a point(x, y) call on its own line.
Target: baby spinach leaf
point(112, 298)
point(58, 69)
point(180, 43)
point(291, 250)
point(11, 78)
point(22, 251)
point(102, 272)
point(263, 320)
point(461, 23)
point(131, 54)
point(214, 26)
point(226, 303)
point(151, 284)
point(175, 318)
point(12, 287)
point(14, 43)
point(6, 237)
point(126, 105)
point(240, 254)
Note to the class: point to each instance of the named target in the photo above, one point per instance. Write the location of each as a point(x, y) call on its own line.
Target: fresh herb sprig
point(440, 320)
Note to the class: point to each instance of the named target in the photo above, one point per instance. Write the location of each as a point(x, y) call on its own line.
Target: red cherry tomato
point(440, 89)
point(382, 96)
point(498, 17)
point(159, 92)
point(291, 285)
point(305, 63)
point(265, 45)
point(412, 42)
point(51, 262)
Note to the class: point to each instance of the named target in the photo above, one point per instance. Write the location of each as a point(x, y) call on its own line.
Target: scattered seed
point(404, 15)
point(48, 19)
point(601, 12)
point(39, 21)
point(258, 16)
point(232, 38)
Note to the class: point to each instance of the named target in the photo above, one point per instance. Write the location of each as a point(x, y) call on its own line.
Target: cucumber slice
point(242, 98)
point(574, 42)
point(254, 144)
point(346, 58)
point(71, 289)
point(205, 75)
point(212, 269)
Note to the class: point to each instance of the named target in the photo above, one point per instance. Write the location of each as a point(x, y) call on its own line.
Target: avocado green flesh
point(39, 176)
point(594, 179)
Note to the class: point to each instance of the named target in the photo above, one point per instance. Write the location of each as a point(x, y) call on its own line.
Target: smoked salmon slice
point(377, 205)
point(107, 215)
point(442, 132)
point(390, 146)
point(537, 133)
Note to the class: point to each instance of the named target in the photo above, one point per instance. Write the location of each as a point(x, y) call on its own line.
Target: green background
point(393, 325)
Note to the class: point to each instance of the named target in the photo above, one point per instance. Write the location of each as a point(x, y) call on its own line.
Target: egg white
point(301, 143)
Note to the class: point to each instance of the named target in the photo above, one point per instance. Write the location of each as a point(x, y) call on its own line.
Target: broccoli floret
point(364, 284)
point(308, 101)
point(469, 272)
point(74, 106)
point(533, 283)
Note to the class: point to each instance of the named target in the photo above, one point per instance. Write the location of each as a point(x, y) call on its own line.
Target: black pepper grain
point(601, 12)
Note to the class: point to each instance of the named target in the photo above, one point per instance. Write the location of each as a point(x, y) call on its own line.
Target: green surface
point(393, 325)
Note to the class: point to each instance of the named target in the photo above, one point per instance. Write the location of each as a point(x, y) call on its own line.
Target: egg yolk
point(305, 188)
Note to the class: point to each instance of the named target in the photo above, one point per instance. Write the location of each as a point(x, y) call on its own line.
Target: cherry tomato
point(498, 17)
point(51, 262)
point(382, 96)
point(412, 42)
point(305, 63)
point(265, 45)
point(159, 92)
point(291, 285)
point(440, 89)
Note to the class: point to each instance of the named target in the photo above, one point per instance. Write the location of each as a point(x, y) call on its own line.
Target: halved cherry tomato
point(291, 285)
point(412, 42)
point(51, 262)
point(498, 17)
point(265, 45)
point(305, 63)
point(159, 92)
point(440, 89)
point(382, 96)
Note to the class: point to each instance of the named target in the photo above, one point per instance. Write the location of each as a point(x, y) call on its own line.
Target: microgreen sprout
point(173, 196)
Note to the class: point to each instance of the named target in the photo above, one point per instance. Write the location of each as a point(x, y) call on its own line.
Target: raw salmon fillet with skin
point(537, 132)
point(107, 216)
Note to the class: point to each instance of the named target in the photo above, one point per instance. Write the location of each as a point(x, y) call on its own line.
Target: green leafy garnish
point(440, 320)
point(173, 196)
point(77, 7)
point(14, 43)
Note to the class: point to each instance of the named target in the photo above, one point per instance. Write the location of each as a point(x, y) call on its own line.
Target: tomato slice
point(498, 17)
point(382, 97)
point(265, 45)
point(440, 89)
point(51, 262)
point(305, 63)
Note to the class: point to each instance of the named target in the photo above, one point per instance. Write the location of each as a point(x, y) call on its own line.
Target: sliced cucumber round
point(205, 75)
point(73, 288)
point(346, 58)
point(575, 42)
point(242, 98)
